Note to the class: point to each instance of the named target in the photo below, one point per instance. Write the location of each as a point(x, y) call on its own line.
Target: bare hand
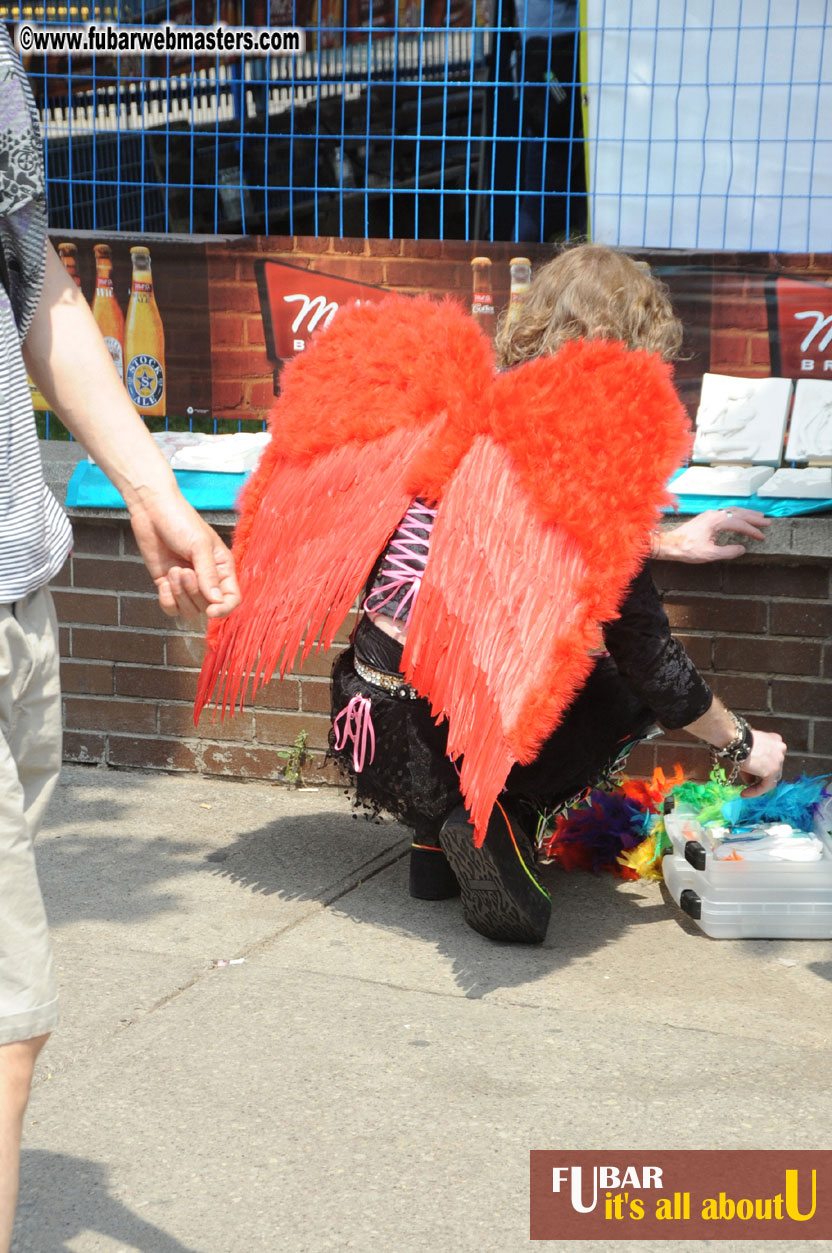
point(763, 768)
point(192, 568)
point(696, 541)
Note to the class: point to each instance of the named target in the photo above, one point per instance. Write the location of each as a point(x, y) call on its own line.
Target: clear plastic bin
point(733, 900)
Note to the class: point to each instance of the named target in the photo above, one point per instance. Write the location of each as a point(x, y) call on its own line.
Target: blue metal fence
point(443, 129)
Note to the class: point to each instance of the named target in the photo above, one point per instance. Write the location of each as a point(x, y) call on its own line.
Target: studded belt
point(387, 682)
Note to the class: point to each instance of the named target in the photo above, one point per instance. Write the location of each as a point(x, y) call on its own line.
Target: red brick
point(85, 607)
point(185, 650)
point(279, 728)
point(278, 694)
point(91, 537)
point(745, 315)
point(714, 613)
point(254, 332)
point(238, 762)
point(260, 395)
point(767, 656)
point(178, 720)
point(64, 641)
point(103, 573)
point(827, 661)
point(319, 665)
point(355, 247)
point(760, 353)
point(64, 576)
point(678, 576)
point(312, 244)
point(129, 547)
point(236, 297)
point(806, 764)
point(790, 617)
point(728, 349)
point(118, 646)
point(429, 248)
point(156, 683)
point(807, 697)
point(84, 746)
point(143, 612)
point(385, 247)
point(694, 760)
point(741, 693)
point(151, 754)
point(757, 579)
point(795, 731)
point(227, 328)
point(238, 362)
point(357, 269)
point(87, 677)
point(316, 697)
point(110, 715)
point(418, 273)
point(226, 395)
point(822, 738)
point(320, 769)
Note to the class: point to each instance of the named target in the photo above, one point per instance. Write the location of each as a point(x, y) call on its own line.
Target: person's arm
point(68, 360)
point(763, 767)
point(660, 671)
point(697, 540)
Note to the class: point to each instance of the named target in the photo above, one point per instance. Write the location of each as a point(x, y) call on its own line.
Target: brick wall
point(760, 632)
point(759, 629)
point(129, 677)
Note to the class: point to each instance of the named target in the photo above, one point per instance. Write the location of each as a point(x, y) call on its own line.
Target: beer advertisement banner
point(200, 328)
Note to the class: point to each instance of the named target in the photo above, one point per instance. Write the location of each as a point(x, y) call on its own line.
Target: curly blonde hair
point(590, 291)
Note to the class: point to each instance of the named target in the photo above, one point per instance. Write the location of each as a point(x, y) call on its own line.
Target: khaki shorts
point(30, 758)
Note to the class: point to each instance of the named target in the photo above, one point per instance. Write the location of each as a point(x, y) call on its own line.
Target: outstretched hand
point(192, 568)
point(763, 768)
point(696, 541)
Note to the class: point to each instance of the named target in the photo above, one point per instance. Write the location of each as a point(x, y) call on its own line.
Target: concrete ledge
point(797, 538)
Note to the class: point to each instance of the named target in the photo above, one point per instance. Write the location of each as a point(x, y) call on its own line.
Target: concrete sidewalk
point(372, 1074)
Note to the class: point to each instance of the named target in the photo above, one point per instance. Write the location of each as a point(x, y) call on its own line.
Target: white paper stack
point(726, 480)
point(222, 454)
point(813, 483)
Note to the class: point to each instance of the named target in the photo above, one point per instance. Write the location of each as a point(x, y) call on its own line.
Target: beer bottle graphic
point(69, 255)
point(521, 277)
point(482, 305)
point(105, 307)
point(144, 342)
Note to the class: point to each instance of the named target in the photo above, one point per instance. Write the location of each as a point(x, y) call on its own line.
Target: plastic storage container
point(733, 900)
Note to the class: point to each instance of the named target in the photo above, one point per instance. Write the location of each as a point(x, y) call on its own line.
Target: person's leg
point(30, 752)
point(17, 1062)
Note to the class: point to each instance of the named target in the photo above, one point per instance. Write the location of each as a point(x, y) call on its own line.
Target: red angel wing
point(536, 537)
point(356, 412)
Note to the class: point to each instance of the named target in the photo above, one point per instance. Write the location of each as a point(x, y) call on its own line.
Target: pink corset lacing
point(403, 566)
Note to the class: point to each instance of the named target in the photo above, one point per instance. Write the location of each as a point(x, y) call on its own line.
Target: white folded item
point(222, 454)
point(813, 483)
point(727, 480)
point(776, 842)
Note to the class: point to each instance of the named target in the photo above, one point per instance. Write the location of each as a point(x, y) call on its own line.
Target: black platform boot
point(431, 877)
point(501, 895)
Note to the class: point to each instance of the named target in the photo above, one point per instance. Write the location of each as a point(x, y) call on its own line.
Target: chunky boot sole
point(431, 877)
point(501, 897)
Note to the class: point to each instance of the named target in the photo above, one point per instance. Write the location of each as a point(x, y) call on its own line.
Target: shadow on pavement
point(291, 855)
point(63, 1197)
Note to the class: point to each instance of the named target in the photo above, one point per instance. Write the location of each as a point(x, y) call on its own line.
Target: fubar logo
point(682, 1195)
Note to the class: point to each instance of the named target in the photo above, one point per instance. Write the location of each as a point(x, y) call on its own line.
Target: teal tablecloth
point(89, 488)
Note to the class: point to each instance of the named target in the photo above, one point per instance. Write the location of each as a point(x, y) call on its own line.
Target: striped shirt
point(35, 534)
